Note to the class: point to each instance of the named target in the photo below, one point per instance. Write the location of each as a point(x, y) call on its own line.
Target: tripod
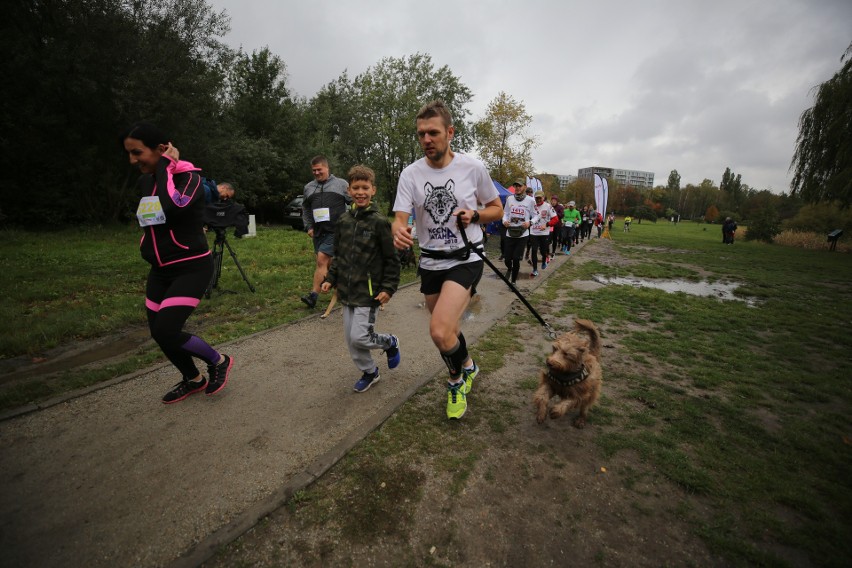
point(218, 252)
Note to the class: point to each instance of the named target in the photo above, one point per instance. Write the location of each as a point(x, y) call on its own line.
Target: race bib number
point(322, 214)
point(150, 212)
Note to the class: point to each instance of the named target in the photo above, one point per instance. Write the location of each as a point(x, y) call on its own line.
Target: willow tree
point(502, 140)
point(822, 163)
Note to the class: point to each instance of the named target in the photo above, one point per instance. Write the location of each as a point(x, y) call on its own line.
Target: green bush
point(765, 227)
point(820, 218)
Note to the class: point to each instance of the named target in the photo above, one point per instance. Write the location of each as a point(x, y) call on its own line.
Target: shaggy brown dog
point(573, 373)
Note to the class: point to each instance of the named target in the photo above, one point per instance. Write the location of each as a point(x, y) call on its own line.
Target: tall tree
point(673, 192)
point(502, 139)
point(386, 99)
point(75, 74)
point(262, 121)
point(822, 162)
point(674, 181)
point(732, 190)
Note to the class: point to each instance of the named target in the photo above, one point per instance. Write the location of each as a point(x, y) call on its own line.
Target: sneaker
point(218, 375)
point(468, 375)
point(310, 299)
point(543, 265)
point(393, 353)
point(367, 380)
point(534, 274)
point(183, 389)
point(456, 401)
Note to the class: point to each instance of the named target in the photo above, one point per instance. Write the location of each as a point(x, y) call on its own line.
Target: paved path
point(112, 477)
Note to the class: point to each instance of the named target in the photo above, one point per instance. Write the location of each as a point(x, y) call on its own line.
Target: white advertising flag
point(599, 189)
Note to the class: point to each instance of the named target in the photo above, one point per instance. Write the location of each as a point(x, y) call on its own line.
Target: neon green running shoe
point(468, 377)
point(456, 401)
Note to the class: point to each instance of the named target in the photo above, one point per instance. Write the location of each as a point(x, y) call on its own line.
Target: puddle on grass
point(65, 358)
point(720, 290)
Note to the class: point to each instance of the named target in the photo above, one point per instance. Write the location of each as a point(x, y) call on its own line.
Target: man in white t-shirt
point(518, 215)
point(443, 189)
point(540, 231)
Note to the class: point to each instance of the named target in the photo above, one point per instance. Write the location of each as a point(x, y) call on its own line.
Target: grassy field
point(740, 409)
point(743, 408)
point(82, 284)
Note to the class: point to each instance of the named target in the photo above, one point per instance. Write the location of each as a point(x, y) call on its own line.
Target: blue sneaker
point(543, 265)
point(393, 353)
point(367, 380)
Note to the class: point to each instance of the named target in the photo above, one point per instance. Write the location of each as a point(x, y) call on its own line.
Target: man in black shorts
point(444, 190)
point(326, 199)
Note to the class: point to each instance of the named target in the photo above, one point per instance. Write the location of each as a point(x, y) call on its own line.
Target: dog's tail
point(594, 336)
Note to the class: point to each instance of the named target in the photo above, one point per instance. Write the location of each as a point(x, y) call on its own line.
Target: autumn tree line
point(78, 72)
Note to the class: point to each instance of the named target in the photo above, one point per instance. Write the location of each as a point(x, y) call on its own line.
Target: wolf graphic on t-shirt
point(440, 202)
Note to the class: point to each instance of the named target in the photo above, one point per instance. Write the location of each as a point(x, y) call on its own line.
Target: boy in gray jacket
point(365, 271)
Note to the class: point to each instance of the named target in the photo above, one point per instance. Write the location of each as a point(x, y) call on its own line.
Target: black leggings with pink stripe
point(171, 295)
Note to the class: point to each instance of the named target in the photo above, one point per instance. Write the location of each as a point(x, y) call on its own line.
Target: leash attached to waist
point(477, 248)
point(455, 254)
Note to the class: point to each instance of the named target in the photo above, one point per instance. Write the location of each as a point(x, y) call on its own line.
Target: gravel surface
point(115, 478)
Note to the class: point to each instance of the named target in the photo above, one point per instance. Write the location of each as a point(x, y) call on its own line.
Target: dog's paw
point(579, 422)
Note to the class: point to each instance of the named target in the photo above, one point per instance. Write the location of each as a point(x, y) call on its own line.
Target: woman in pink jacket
point(170, 213)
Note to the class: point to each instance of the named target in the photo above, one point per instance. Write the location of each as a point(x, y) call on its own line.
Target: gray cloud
point(655, 85)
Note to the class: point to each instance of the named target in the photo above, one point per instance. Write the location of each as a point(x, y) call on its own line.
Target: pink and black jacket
point(181, 238)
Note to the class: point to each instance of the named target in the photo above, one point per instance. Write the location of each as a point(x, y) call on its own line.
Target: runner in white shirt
point(444, 189)
point(540, 231)
point(518, 215)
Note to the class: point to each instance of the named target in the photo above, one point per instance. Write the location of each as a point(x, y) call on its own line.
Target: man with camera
point(224, 212)
point(326, 199)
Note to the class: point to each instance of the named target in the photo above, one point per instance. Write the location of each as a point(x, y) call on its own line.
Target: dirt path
point(114, 478)
point(535, 495)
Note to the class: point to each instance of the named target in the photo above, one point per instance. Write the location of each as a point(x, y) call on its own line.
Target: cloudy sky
point(656, 85)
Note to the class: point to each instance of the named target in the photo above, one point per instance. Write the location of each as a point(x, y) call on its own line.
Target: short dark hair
point(145, 132)
point(319, 160)
point(433, 109)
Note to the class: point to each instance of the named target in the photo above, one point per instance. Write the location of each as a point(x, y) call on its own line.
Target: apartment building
point(633, 178)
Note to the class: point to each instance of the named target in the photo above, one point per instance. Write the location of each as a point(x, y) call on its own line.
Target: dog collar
point(569, 379)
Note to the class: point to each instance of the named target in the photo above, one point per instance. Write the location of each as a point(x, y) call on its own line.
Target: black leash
point(481, 253)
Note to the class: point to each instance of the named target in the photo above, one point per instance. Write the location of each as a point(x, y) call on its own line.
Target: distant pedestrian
point(518, 215)
point(540, 231)
point(365, 273)
point(556, 235)
point(729, 229)
point(571, 221)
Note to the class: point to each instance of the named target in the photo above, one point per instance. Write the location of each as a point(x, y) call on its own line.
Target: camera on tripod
point(219, 216)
